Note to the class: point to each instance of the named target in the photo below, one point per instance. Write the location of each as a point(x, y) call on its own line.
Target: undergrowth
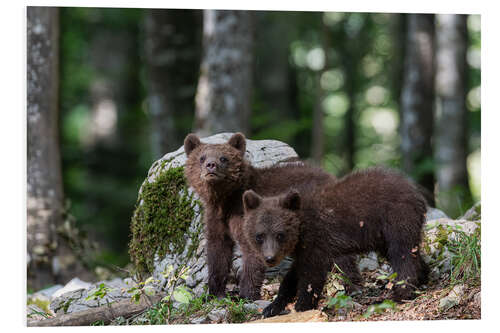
point(466, 258)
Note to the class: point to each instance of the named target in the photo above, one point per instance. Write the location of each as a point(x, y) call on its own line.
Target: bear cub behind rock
point(375, 209)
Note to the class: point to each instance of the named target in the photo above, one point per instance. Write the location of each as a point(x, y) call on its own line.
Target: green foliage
point(161, 220)
point(236, 312)
point(380, 308)
point(42, 304)
point(142, 288)
point(165, 313)
point(98, 293)
point(340, 301)
point(36, 312)
point(182, 295)
point(466, 257)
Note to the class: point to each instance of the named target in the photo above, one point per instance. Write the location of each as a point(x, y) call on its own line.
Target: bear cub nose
point(211, 166)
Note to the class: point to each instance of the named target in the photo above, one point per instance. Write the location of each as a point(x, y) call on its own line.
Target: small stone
point(368, 263)
point(261, 304)
point(453, 298)
point(434, 214)
point(217, 315)
point(199, 320)
point(251, 307)
point(74, 284)
point(47, 292)
point(474, 213)
point(386, 268)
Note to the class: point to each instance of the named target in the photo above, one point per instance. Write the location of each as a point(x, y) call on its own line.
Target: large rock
point(188, 252)
point(439, 234)
point(77, 295)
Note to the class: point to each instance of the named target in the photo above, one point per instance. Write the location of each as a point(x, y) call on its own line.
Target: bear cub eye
point(223, 159)
point(203, 158)
point(259, 238)
point(280, 237)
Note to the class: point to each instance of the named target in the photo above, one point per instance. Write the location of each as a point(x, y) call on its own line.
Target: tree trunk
point(44, 188)
point(318, 134)
point(172, 48)
point(224, 87)
point(417, 100)
point(451, 127)
point(350, 83)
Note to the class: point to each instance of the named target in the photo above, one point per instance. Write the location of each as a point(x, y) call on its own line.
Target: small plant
point(380, 308)
point(99, 293)
point(36, 312)
point(158, 314)
point(466, 257)
point(390, 280)
point(236, 311)
point(340, 301)
point(141, 288)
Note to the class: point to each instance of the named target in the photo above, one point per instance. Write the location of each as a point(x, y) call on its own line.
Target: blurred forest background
point(111, 90)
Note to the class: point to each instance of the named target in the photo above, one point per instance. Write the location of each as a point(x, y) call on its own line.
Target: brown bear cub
point(375, 209)
point(220, 175)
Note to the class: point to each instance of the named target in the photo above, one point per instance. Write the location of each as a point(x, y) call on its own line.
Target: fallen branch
point(106, 313)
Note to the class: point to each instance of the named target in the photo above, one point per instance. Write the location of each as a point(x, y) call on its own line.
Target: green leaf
point(182, 295)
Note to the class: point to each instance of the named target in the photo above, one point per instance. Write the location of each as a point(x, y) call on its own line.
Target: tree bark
point(44, 179)
point(172, 48)
point(224, 88)
point(451, 127)
point(318, 134)
point(417, 100)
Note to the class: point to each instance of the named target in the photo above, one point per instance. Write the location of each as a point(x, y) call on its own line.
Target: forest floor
point(369, 305)
point(372, 303)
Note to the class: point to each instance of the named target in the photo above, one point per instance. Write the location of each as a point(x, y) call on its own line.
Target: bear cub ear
point(238, 141)
point(251, 200)
point(291, 200)
point(190, 143)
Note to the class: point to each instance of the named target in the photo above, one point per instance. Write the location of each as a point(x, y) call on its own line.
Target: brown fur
point(376, 209)
point(220, 174)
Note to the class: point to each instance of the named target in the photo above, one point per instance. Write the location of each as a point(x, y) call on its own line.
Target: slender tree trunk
point(224, 87)
point(172, 48)
point(417, 100)
point(453, 193)
point(350, 125)
point(318, 134)
point(44, 188)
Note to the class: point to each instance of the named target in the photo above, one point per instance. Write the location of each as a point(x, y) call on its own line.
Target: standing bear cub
point(220, 174)
point(376, 209)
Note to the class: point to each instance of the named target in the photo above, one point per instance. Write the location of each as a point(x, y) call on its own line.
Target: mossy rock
point(161, 221)
point(167, 228)
point(437, 237)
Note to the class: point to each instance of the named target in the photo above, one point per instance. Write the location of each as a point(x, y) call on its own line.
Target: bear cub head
point(214, 165)
point(271, 224)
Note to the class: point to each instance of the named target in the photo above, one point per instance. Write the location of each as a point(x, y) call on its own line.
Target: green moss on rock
point(161, 221)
